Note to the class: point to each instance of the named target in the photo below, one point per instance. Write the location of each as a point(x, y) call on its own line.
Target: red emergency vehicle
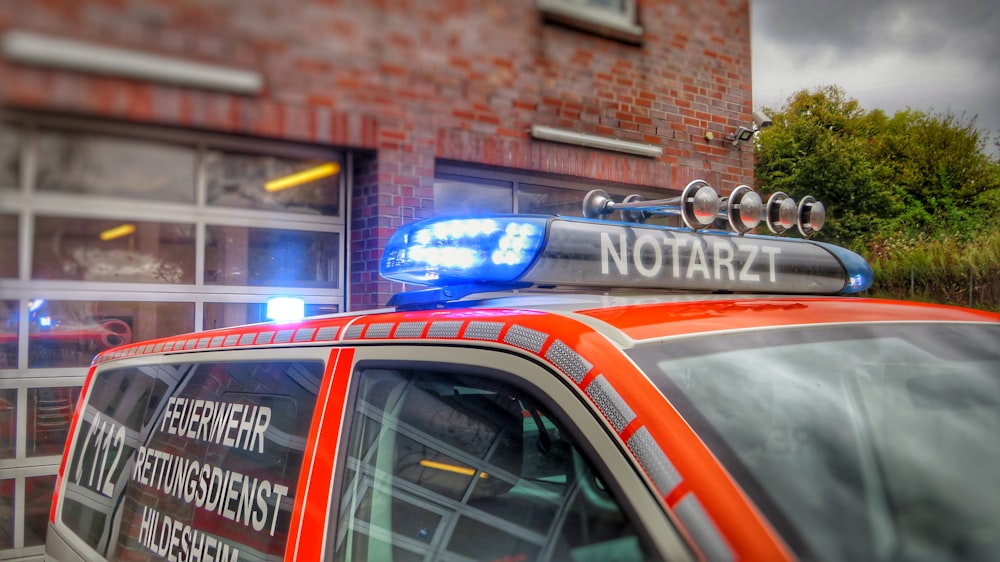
point(563, 389)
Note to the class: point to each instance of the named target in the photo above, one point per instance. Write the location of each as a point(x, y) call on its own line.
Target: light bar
point(556, 251)
point(451, 251)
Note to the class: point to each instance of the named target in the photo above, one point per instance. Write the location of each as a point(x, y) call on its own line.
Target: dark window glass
point(547, 200)
point(9, 225)
point(114, 166)
point(113, 250)
point(268, 257)
point(459, 196)
point(8, 334)
point(8, 423)
point(268, 182)
point(10, 156)
point(444, 466)
point(50, 411)
point(153, 445)
point(7, 513)
point(70, 333)
point(37, 502)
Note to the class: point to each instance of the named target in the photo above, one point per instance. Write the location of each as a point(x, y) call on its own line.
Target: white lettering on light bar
point(696, 265)
point(615, 255)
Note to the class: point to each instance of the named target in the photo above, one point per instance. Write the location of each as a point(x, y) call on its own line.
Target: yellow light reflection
point(452, 468)
point(117, 232)
point(305, 176)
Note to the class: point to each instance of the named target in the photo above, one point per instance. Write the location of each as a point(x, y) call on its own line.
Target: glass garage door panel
point(8, 245)
point(95, 164)
point(70, 333)
point(9, 156)
point(251, 181)
point(50, 410)
point(271, 257)
point(113, 250)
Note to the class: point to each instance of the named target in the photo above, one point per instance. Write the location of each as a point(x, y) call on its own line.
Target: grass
point(941, 270)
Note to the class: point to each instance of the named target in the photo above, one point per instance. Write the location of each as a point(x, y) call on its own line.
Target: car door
point(462, 453)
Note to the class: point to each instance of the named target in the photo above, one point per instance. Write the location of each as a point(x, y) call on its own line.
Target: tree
point(879, 176)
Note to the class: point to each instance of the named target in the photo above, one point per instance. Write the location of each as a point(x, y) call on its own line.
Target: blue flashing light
point(449, 251)
point(858, 273)
point(462, 255)
point(285, 308)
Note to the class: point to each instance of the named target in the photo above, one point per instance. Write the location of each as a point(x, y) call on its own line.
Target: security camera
point(761, 119)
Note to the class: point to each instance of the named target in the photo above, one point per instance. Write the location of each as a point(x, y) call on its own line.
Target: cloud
point(891, 54)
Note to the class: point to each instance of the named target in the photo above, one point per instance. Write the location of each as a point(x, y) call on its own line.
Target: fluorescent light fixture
point(117, 232)
point(285, 308)
point(305, 176)
point(34, 49)
point(595, 141)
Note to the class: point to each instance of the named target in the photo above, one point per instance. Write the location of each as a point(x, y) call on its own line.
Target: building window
point(468, 191)
point(617, 18)
point(456, 195)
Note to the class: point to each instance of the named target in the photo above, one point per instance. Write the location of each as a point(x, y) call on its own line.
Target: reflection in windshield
point(864, 442)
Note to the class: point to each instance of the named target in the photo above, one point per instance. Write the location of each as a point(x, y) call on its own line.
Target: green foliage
point(915, 193)
point(880, 177)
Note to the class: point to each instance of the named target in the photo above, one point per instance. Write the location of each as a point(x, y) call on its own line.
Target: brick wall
point(417, 80)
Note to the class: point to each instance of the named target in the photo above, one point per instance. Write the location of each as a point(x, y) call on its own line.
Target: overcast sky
point(931, 55)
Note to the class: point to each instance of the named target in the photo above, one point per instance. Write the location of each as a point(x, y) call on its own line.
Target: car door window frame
point(564, 402)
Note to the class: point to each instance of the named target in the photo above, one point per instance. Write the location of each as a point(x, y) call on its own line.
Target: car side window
point(446, 466)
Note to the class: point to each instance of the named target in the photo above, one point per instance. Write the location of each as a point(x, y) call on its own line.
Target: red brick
point(428, 81)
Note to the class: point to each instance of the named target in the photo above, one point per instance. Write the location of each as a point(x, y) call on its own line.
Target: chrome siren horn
point(781, 212)
point(699, 204)
point(745, 209)
point(811, 216)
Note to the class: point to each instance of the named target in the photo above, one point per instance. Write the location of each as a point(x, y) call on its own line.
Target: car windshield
point(860, 441)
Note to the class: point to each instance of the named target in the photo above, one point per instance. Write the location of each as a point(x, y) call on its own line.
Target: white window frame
point(591, 16)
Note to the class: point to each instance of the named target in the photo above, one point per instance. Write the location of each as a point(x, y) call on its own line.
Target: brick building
point(163, 120)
